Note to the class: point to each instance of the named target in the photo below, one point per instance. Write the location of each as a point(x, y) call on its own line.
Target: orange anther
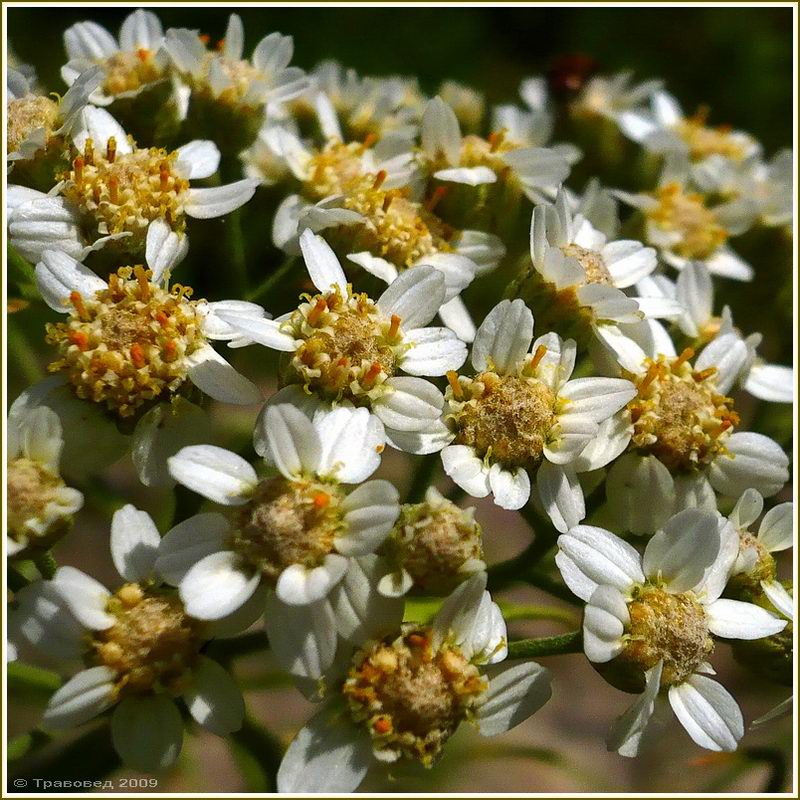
point(80, 339)
point(77, 165)
point(77, 301)
point(455, 385)
point(220, 44)
point(170, 351)
point(438, 194)
point(372, 374)
point(144, 283)
point(416, 640)
point(651, 375)
point(370, 140)
point(703, 374)
point(162, 319)
point(137, 355)
point(321, 500)
point(143, 53)
point(382, 725)
point(387, 201)
point(88, 151)
point(113, 189)
point(379, 179)
point(163, 173)
point(394, 328)
point(540, 353)
point(111, 149)
point(204, 38)
point(316, 313)
point(96, 193)
point(683, 357)
point(496, 139)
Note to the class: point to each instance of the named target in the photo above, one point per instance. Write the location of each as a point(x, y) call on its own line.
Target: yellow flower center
point(288, 522)
point(348, 346)
point(592, 262)
point(153, 643)
point(28, 114)
point(679, 416)
point(126, 345)
point(125, 192)
point(698, 233)
point(506, 417)
point(33, 499)
point(479, 152)
point(703, 141)
point(410, 697)
point(127, 72)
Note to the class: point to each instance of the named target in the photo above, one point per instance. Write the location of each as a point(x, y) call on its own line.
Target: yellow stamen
point(455, 385)
point(394, 328)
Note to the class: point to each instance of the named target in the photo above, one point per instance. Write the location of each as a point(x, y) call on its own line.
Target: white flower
point(613, 97)
point(346, 347)
point(296, 531)
point(40, 505)
point(35, 121)
point(650, 619)
point(474, 161)
point(685, 226)
point(521, 415)
point(665, 128)
point(128, 66)
point(376, 707)
point(226, 77)
point(685, 445)
point(135, 326)
point(141, 648)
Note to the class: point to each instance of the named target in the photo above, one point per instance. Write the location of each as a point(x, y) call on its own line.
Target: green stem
point(21, 355)
point(21, 272)
point(547, 646)
point(16, 580)
point(422, 478)
point(273, 279)
point(47, 565)
point(512, 612)
point(24, 676)
point(258, 754)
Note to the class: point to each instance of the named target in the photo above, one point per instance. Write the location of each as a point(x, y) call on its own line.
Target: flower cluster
point(596, 387)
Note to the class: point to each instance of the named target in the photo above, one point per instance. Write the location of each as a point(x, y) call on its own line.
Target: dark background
point(738, 60)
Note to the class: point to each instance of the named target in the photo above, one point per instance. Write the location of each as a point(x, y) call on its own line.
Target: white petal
point(511, 490)
point(81, 698)
point(88, 40)
point(164, 249)
point(299, 585)
point(362, 612)
point(628, 262)
point(379, 267)
point(513, 696)
point(215, 473)
point(260, 330)
point(440, 134)
point(729, 355)
point(708, 713)
point(681, 554)
point(303, 638)
point(597, 398)
point(454, 315)
point(99, 126)
point(561, 495)
point(432, 439)
point(604, 621)
point(134, 543)
point(352, 441)
point(140, 29)
point(466, 469)
point(457, 270)
point(58, 275)
point(457, 615)
point(695, 292)
point(728, 264)
point(692, 490)
point(434, 351)
point(86, 598)
point(415, 296)
point(273, 53)
point(219, 200)
point(369, 514)
point(410, 406)
point(600, 557)
point(321, 262)
point(558, 361)
point(189, 542)
point(771, 382)
point(198, 159)
point(469, 176)
point(733, 619)
point(776, 529)
point(640, 493)
point(213, 699)
point(216, 586)
point(626, 733)
point(747, 510)
point(503, 338)
point(328, 755)
point(293, 443)
point(753, 461)
point(147, 731)
point(779, 598)
point(610, 441)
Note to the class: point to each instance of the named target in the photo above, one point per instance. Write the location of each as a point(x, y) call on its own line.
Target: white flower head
point(295, 531)
point(348, 348)
point(650, 621)
point(128, 66)
point(613, 97)
point(402, 695)
point(520, 416)
point(40, 504)
point(141, 648)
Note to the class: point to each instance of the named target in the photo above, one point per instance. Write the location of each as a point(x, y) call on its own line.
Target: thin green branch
point(547, 646)
point(513, 612)
point(25, 676)
point(422, 478)
point(262, 291)
point(47, 565)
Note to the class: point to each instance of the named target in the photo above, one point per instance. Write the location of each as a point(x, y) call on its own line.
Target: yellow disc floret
point(127, 345)
point(288, 522)
point(410, 697)
point(678, 414)
point(594, 266)
point(152, 644)
point(27, 115)
point(704, 141)
point(130, 71)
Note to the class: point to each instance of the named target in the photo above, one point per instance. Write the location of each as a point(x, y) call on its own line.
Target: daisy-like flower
point(40, 505)
point(295, 531)
point(583, 274)
point(665, 128)
point(141, 649)
point(520, 416)
point(39, 125)
point(346, 347)
point(130, 343)
point(118, 187)
point(651, 621)
point(685, 225)
point(468, 104)
point(434, 546)
point(685, 445)
point(755, 566)
point(402, 695)
point(227, 89)
point(448, 156)
point(130, 65)
point(694, 291)
point(612, 97)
